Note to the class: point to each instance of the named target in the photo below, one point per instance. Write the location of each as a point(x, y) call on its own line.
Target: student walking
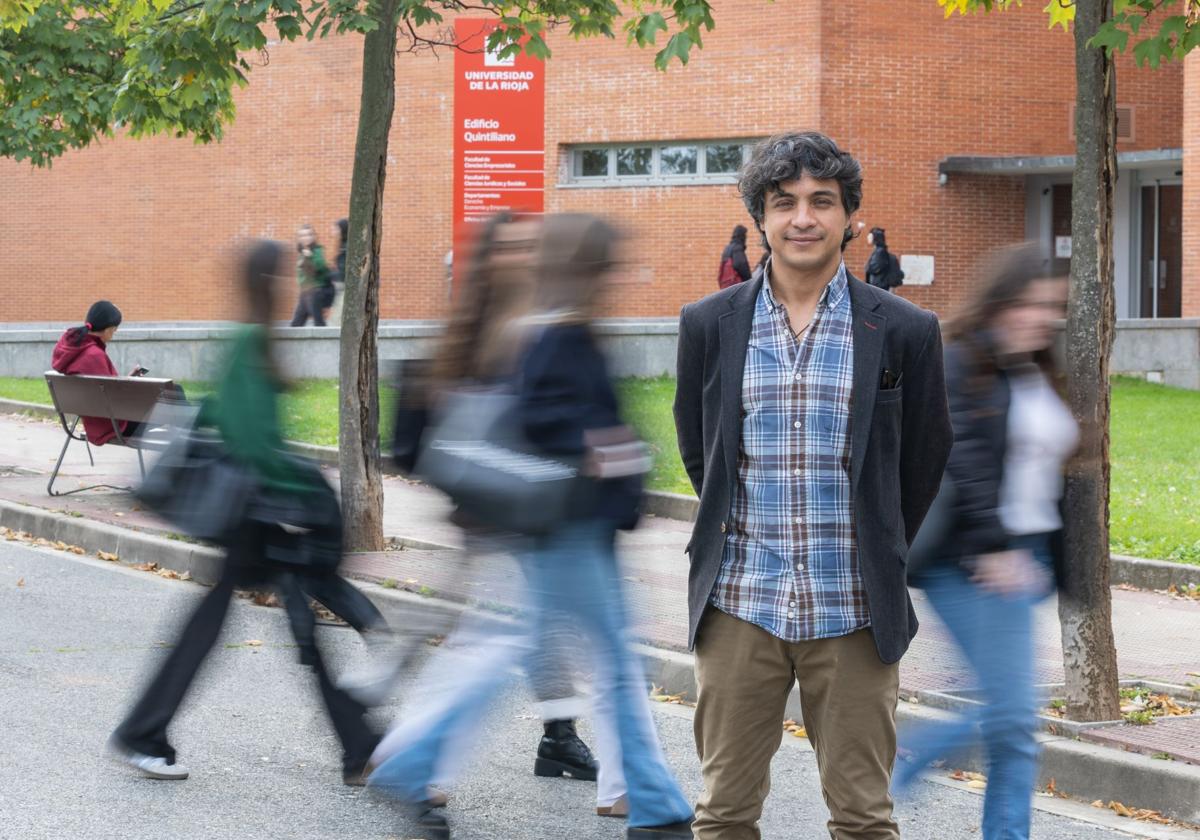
point(312, 275)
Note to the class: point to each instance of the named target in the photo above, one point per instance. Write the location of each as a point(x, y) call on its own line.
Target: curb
point(1085, 771)
point(131, 547)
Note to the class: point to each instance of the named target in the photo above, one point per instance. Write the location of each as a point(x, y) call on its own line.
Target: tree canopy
point(75, 70)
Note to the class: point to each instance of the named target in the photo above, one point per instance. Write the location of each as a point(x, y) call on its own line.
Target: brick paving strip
point(1156, 633)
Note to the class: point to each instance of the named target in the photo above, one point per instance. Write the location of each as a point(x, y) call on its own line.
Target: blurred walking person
point(337, 288)
point(567, 409)
point(288, 538)
point(997, 521)
point(312, 276)
point(735, 268)
point(481, 347)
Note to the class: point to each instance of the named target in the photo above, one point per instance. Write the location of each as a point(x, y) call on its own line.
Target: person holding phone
point(83, 351)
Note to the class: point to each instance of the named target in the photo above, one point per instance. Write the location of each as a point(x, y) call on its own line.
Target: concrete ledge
point(1152, 574)
point(671, 505)
point(28, 408)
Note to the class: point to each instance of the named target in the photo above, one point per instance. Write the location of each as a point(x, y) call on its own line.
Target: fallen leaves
point(1139, 705)
point(977, 781)
point(795, 728)
point(20, 583)
point(253, 643)
point(658, 695)
point(26, 537)
point(1139, 814)
point(105, 555)
point(169, 574)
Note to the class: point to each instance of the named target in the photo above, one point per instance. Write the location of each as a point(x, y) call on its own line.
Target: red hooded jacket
point(87, 356)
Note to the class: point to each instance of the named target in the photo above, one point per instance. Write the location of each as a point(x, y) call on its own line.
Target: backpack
point(728, 275)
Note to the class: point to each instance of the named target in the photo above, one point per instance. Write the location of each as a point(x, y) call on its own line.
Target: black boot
point(563, 752)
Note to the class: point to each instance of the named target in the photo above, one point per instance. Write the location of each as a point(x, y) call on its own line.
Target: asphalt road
point(78, 635)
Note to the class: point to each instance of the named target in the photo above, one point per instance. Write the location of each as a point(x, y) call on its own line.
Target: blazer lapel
point(868, 333)
point(734, 330)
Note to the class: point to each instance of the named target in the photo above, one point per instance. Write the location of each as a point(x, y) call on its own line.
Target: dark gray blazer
point(900, 439)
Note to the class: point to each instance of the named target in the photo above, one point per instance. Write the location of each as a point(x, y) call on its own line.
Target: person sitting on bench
point(81, 350)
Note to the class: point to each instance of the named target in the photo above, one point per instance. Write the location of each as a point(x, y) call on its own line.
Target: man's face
point(804, 221)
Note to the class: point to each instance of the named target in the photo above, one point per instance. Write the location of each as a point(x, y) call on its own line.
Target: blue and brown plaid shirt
point(791, 562)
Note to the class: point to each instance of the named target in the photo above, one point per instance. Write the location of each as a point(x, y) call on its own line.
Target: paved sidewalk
point(1156, 634)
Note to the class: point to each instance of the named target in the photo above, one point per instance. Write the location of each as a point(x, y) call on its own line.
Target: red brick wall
point(1191, 189)
point(905, 90)
point(148, 223)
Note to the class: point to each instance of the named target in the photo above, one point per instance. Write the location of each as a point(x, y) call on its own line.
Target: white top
point(1042, 435)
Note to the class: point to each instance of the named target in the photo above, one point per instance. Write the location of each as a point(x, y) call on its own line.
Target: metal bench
point(114, 398)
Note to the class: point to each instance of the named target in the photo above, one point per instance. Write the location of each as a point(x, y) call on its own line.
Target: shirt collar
point(831, 296)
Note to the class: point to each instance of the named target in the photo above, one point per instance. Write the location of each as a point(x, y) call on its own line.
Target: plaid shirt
point(791, 562)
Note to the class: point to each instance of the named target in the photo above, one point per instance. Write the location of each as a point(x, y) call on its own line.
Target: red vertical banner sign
point(499, 133)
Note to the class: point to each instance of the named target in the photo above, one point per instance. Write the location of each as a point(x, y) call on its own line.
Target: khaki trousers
point(848, 699)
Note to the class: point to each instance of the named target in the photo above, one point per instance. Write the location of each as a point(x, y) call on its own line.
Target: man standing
point(812, 420)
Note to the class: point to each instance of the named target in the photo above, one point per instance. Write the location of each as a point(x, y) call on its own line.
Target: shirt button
point(797, 424)
point(799, 377)
point(791, 603)
point(791, 614)
point(799, 567)
point(796, 472)
point(799, 520)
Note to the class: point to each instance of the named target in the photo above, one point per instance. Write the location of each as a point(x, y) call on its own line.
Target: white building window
point(655, 164)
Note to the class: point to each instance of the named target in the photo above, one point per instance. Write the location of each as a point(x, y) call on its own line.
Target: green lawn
point(1155, 471)
point(1155, 450)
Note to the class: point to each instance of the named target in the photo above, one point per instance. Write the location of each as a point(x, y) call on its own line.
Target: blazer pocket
point(888, 395)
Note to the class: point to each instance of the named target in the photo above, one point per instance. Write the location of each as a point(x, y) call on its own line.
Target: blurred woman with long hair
point(1001, 521)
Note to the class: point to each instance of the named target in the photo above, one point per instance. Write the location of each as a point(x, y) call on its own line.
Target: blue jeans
point(995, 635)
point(572, 571)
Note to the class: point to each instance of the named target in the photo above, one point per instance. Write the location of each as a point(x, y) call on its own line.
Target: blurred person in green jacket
point(314, 277)
point(264, 552)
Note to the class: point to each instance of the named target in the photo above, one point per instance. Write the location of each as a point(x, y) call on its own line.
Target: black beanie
point(101, 315)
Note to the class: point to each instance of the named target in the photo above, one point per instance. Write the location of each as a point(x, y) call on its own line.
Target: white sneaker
point(154, 767)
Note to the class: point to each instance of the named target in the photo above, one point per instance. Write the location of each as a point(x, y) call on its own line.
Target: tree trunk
point(1085, 608)
point(358, 426)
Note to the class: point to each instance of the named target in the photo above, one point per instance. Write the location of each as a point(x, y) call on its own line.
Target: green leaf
point(678, 47)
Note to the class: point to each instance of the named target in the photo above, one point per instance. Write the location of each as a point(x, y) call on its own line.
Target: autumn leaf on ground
point(659, 696)
point(253, 643)
point(795, 728)
point(978, 781)
point(105, 555)
point(146, 567)
point(20, 583)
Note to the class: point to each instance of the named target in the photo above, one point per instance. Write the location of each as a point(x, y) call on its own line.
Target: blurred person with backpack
point(735, 268)
point(883, 269)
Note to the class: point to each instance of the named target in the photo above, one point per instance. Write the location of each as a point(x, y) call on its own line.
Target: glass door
point(1161, 265)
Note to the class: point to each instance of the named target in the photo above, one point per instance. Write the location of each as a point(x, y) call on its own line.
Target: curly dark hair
point(785, 157)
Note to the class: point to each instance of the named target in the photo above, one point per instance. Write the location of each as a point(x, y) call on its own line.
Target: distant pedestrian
point(735, 268)
point(338, 286)
point(288, 538)
point(883, 269)
point(313, 278)
point(999, 522)
point(812, 422)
